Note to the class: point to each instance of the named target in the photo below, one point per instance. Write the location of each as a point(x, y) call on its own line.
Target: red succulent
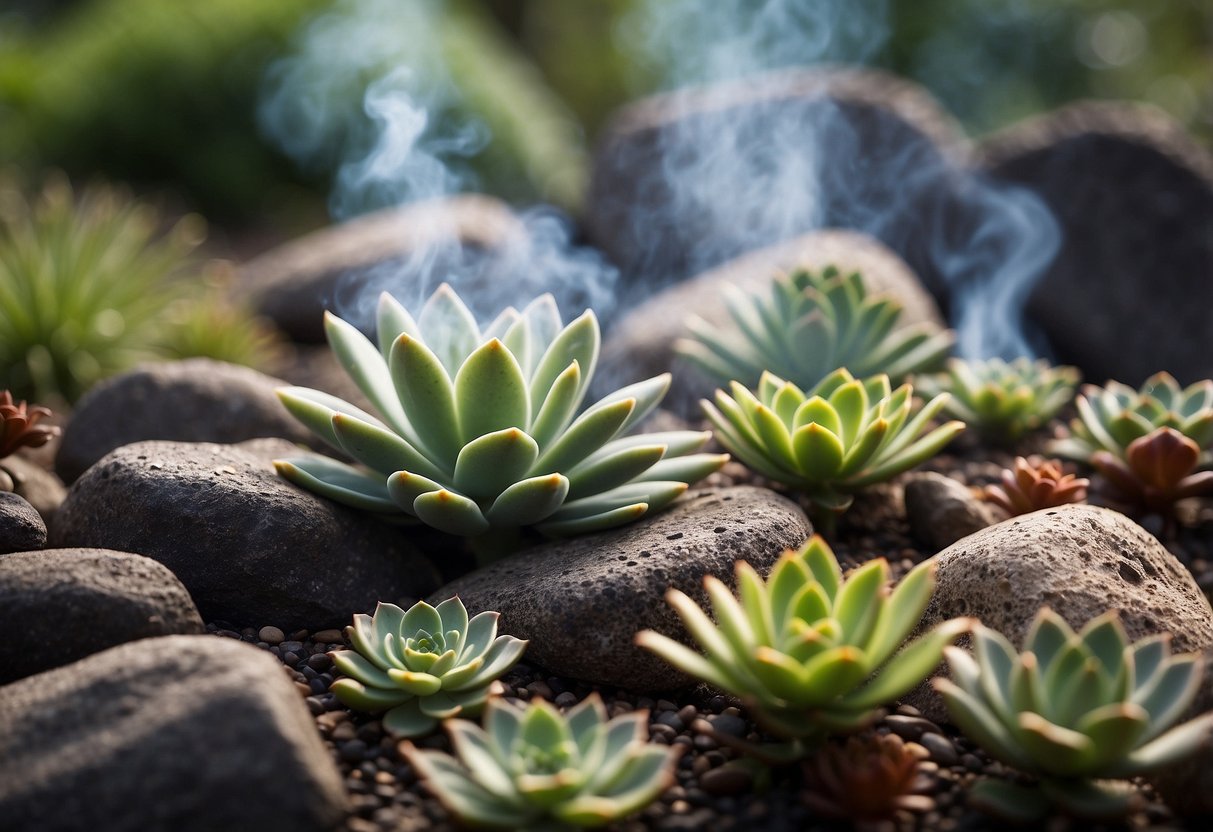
point(1035, 484)
point(867, 778)
point(19, 425)
point(1158, 469)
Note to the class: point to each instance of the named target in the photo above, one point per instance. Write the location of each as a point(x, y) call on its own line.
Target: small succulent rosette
point(1035, 484)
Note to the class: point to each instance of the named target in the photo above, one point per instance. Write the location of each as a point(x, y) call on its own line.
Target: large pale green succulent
point(842, 436)
point(808, 325)
point(1071, 709)
point(539, 770)
point(806, 651)
point(480, 428)
point(424, 665)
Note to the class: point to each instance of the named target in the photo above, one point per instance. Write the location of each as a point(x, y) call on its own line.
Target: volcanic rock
point(941, 510)
point(582, 601)
point(251, 548)
point(173, 734)
point(21, 527)
point(61, 605)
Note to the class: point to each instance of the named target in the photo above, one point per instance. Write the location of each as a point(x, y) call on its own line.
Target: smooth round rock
point(581, 601)
point(36, 484)
point(941, 510)
point(21, 526)
point(61, 605)
point(251, 548)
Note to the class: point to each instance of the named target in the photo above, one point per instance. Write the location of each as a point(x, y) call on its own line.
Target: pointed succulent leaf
point(490, 392)
point(491, 463)
point(428, 397)
point(337, 481)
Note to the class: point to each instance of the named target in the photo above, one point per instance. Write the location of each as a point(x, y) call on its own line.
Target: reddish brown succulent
point(868, 778)
point(1035, 484)
point(19, 425)
point(1158, 470)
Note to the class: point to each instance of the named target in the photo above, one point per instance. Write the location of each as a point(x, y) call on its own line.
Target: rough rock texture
point(941, 510)
point(21, 528)
point(174, 734)
point(196, 400)
point(251, 548)
point(581, 601)
point(686, 180)
point(391, 249)
point(1134, 197)
point(61, 605)
point(40, 488)
point(641, 344)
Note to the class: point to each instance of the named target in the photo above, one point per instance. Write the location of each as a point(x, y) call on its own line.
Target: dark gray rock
point(641, 344)
point(61, 605)
point(196, 400)
point(173, 734)
point(21, 528)
point(941, 510)
point(581, 601)
point(40, 488)
point(1132, 285)
point(251, 548)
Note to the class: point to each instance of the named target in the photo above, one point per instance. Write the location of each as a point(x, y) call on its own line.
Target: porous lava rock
point(21, 527)
point(172, 734)
point(641, 344)
point(581, 601)
point(941, 510)
point(251, 548)
point(60, 605)
point(195, 400)
point(1132, 284)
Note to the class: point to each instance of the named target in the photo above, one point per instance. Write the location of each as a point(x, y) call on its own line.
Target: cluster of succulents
point(841, 436)
point(539, 769)
point(480, 428)
point(807, 326)
point(424, 665)
point(807, 651)
point(1035, 484)
point(868, 777)
point(1002, 400)
point(1073, 709)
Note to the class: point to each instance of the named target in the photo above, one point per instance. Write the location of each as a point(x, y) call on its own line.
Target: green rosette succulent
point(842, 436)
point(1002, 400)
point(424, 665)
point(1073, 709)
point(808, 652)
point(479, 429)
point(538, 770)
point(808, 325)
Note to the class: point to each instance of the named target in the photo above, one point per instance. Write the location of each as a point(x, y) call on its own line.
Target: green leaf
point(688, 661)
point(360, 668)
point(858, 601)
point(1055, 750)
point(486, 466)
point(980, 724)
point(903, 610)
point(1170, 694)
point(337, 481)
point(428, 397)
point(596, 522)
point(588, 433)
point(908, 668)
point(818, 453)
point(689, 469)
point(451, 513)
point(1171, 747)
point(528, 501)
point(380, 449)
point(462, 795)
point(850, 401)
point(404, 489)
point(502, 655)
point(354, 694)
point(448, 328)
point(363, 363)
point(474, 749)
point(558, 407)
point(820, 560)
point(648, 394)
point(316, 410)
point(391, 320)
point(1009, 801)
point(606, 470)
point(1115, 729)
point(730, 617)
point(579, 341)
point(491, 393)
point(638, 784)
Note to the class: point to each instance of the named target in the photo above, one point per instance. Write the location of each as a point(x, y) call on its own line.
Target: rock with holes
point(1080, 561)
point(581, 601)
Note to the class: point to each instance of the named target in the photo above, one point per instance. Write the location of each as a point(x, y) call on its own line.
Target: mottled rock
point(40, 488)
point(21, 528)
point(61, 605)
point(641, 344)
point(250, 547)
point(1133, 194)
point(173, 734)
point(581, 601)
point(941, 510)
point(196, 400)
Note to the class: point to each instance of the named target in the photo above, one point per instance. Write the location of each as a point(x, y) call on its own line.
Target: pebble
point(329, 637)
point(941, 748)
point(726, 780)
point(271, 635)
point(909, 727)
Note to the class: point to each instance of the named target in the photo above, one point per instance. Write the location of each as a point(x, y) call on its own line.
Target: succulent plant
point(1071, 709)
point(842, 436)
point(1111, 418)
point(868, 777)
point(536, 769)
point(1035, 484)
point(480, 430)
point(19, 426)
point(806, 651)
point(1157, 470)
point(807, 326)
point(424, 665)
point(1002, 400)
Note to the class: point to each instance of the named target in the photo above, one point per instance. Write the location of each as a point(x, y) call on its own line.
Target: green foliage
point(1003, 400)
point(808, 652)
point(1071, 709)
point(480, 429)
point(536, 769)
point(424, 665)
point(809, 325)
point(842, 436)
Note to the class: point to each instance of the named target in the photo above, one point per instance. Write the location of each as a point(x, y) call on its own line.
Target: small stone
point(726, 780)
point(271, 635)
point(909, 727)
point(733, 726)
point(329, 637)
point(941, 748)
point(21, 527)
point(941, 511)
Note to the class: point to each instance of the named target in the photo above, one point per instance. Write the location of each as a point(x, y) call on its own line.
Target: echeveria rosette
point(1073, 710)
point(838, 438)
point(424, 665)
point(1157, 470)
point(480, 429)
point(808, 325)
point(1002, 400)
point(1035, 484)
point(537, 769)
point(808, 652)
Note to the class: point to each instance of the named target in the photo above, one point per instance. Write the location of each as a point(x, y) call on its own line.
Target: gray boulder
point(21, 527)
point(941, 510)
point(173, 734)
